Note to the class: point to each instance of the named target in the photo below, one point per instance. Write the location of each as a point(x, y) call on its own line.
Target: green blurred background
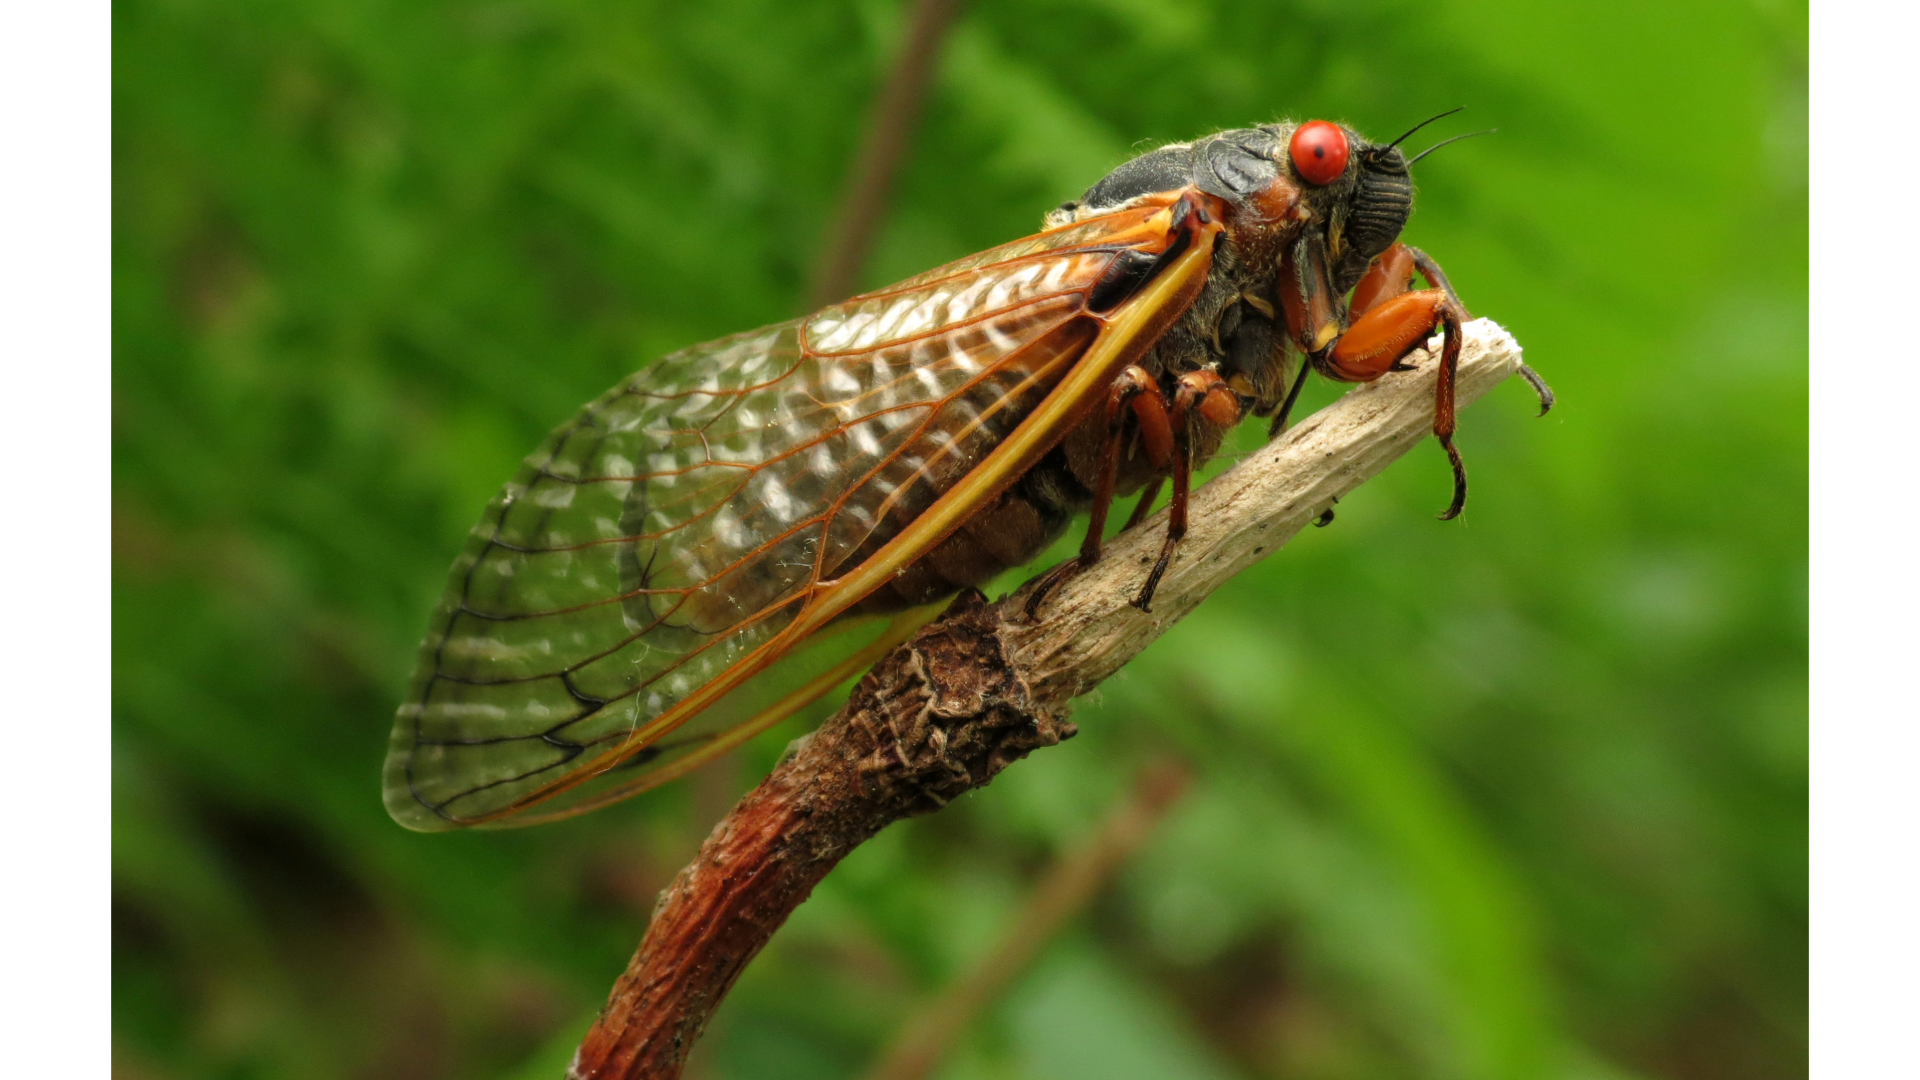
point(1518, 796)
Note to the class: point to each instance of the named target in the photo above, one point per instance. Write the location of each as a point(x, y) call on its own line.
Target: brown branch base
point(937, 718)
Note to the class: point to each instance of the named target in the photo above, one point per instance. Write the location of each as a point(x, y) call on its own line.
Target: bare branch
point(937, 717)
point(975, 691)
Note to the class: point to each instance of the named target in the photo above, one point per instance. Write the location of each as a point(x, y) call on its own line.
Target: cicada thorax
point(1234, 326)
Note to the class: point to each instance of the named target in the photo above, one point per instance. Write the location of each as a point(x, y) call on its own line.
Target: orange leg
point(1374, 344)
point(1310, 312)
point(1156, 430)
point(1377, 340)
point(1390, 275)
point(1387, 322)
point(1202, 393)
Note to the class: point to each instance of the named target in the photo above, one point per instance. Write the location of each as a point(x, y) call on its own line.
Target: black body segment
point(1382, 201)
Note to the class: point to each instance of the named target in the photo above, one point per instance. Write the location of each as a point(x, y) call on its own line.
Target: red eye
point(1319, 152)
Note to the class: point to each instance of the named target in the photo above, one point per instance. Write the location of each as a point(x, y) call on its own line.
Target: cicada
point(736, 529)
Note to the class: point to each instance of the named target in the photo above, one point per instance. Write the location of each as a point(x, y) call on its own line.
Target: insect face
point(1373, 215)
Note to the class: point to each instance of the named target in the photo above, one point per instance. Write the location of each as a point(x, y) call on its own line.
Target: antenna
point(1444, 142)
point(1424, 123)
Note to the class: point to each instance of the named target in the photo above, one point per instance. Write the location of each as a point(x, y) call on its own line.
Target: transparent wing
point(820, 663)
point(680, 522)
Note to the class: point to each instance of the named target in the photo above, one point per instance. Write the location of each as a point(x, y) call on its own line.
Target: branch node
point(944, 714)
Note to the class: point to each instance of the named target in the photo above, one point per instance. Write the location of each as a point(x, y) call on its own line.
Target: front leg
point(1374, 344)
point(1392, 275)
point(1392, 323)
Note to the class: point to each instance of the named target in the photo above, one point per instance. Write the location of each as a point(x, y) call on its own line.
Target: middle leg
point(1137, 391)
point(1205, 396)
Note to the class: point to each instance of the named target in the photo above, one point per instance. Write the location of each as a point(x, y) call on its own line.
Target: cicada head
point(1359, 193)
point(1365, 204)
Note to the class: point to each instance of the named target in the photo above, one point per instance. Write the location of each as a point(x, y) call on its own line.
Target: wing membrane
point(800, 676)
point(694, 525)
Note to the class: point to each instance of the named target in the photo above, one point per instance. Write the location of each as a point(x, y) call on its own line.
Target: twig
point(933, 720)
point(975, 691)
point(1070, 884)
point(838, 271)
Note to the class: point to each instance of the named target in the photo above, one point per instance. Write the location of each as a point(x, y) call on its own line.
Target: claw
point(1540, 388)
point(1459, 480)
point(1048, 582)
point(1153, 579)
